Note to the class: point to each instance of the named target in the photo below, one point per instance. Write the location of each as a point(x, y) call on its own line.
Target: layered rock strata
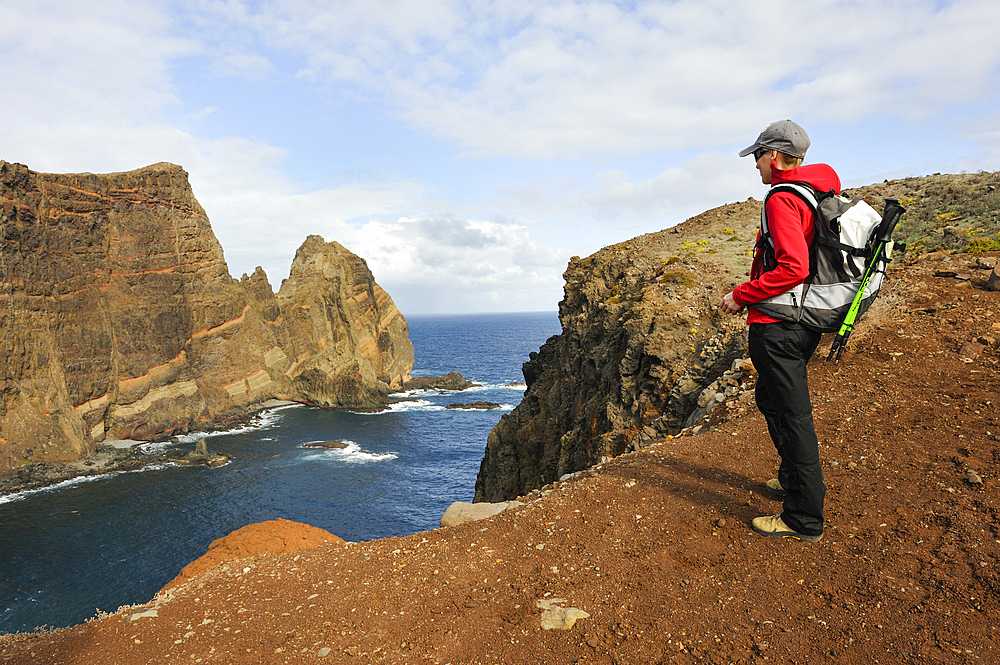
point(120, 319)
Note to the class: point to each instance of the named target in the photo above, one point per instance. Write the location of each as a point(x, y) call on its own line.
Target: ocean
point(97, 544)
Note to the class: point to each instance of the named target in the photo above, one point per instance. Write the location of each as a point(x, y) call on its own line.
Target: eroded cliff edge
point(642, 341)
point(120, 319)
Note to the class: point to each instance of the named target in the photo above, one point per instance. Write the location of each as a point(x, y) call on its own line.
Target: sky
point(467, 150)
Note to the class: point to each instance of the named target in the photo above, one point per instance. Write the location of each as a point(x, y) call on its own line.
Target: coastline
point(111, 456)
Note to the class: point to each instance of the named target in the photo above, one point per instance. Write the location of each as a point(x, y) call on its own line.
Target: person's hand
point(728, 304)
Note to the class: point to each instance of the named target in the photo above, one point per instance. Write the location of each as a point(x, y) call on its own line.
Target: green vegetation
point(967, 203)
point(982, 245)
point(678, 276)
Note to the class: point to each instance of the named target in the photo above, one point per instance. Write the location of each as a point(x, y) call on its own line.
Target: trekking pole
point(883, 236)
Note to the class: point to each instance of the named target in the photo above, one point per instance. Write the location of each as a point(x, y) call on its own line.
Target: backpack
point(842, 246)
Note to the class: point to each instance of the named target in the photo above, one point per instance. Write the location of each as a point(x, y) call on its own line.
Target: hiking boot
point(776, 489)
point(772, 525)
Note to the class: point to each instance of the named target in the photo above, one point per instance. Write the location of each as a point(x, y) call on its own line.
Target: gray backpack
point(842, 245)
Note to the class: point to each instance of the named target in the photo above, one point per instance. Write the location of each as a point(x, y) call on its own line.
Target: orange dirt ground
point(655, 546)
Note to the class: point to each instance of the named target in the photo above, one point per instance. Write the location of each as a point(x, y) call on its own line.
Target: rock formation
point(270, 537)
point(642, 338)
point(450, 381)
point(120, 318)
point(199, 457)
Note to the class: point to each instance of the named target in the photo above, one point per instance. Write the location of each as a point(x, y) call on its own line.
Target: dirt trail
point(655, 545)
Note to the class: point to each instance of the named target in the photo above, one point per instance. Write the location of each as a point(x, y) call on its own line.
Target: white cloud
point(571, 79)
point(614, 206)
point(99, 62)
point(441, 263)
point(107, 86)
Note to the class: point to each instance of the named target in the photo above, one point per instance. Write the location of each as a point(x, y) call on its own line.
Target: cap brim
point(746, 151)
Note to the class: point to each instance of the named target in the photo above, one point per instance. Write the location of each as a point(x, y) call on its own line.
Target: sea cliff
point(120, 319)
point(643, 348)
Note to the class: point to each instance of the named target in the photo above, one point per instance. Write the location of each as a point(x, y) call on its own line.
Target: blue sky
point(467, 150)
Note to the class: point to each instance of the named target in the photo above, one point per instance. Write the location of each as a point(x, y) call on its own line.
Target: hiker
point(780, 349)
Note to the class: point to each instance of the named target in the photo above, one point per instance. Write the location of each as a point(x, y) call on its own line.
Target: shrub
point(982, 245)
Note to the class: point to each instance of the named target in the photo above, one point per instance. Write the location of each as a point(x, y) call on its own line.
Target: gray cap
point(784, 136)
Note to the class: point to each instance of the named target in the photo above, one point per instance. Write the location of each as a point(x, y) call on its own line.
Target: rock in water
point(331, 445)
point(450, 381)
point(199, 456)
point(121, 319)
point(478, 404)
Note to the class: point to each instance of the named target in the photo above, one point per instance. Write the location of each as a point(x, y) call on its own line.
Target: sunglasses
point(760, 152)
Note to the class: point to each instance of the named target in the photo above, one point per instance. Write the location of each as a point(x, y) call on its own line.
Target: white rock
point(461, 512)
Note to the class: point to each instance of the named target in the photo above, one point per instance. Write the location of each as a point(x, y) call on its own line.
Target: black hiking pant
point(779, 352)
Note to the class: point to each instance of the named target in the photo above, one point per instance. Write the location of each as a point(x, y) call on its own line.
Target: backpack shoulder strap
point(803, 190)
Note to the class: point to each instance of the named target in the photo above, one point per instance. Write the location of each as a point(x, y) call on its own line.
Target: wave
point(408, 405)
point(73, 482)
point(352, 454)
point(494, 386)
point(260, 421)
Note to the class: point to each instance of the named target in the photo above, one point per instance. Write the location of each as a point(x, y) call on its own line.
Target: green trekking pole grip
point(890, 217)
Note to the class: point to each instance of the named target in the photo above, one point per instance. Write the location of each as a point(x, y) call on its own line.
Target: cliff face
point(349, 342)
point(642, 339)
point(119, 318)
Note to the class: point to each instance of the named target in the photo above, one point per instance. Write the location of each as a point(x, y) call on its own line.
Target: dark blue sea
point(91, 545)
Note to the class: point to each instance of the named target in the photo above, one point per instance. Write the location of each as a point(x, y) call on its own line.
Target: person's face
point(764, 165)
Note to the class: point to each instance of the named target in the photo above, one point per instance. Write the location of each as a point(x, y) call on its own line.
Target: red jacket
point(791, 224)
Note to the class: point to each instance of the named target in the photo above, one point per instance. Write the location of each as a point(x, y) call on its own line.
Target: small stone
point(993, 282)
point(324, 652)
point(143, 613)
point(852, 465)
point(720, 522)
point(973, 478)
point(555, 617)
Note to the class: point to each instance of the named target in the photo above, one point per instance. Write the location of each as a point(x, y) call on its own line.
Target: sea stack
point(121, 320)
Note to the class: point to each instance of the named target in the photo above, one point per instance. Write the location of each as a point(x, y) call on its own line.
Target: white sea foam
point(410, 404)
point(260, 421)
point(73, 482)
point(352, 453)
point(492, 386)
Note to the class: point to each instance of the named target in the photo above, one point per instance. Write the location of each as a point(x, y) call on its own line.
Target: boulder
point(478, 404)
point(993, 281)
point(461, 512)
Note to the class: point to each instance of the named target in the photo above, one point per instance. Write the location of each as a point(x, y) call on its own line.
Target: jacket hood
point(821, 177)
